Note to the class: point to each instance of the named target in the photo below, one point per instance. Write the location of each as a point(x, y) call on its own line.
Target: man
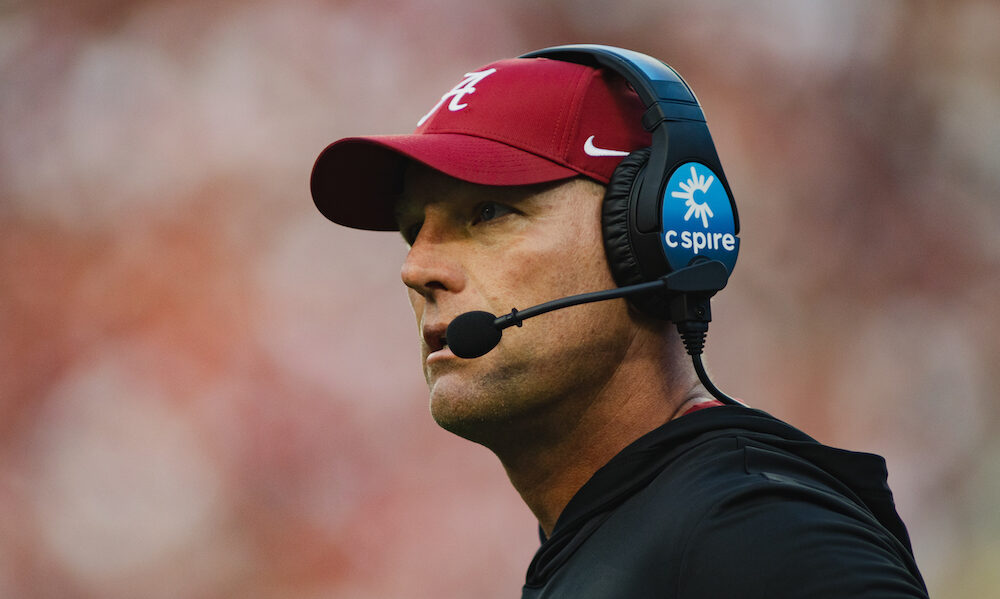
point(643, 484)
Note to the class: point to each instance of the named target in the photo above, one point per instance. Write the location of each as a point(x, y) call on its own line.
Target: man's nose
point(432, 265)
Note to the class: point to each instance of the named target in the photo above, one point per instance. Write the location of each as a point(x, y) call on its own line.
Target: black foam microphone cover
point(473, 334)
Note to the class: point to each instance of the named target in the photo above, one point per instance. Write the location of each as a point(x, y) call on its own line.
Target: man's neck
point(550, 463)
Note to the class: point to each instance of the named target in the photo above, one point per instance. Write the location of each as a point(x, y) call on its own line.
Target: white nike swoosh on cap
point(593, 150)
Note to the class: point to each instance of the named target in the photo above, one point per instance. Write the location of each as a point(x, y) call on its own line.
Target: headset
point(646, 220)
point(669, 221)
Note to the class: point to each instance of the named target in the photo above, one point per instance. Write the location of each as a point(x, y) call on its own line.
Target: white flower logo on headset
point(696, 183)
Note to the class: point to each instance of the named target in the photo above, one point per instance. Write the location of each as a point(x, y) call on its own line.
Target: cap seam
point(583, 81)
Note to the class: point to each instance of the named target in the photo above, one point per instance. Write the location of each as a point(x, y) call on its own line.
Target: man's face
point(488, 248)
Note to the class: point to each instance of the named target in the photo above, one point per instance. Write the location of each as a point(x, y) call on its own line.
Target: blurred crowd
point(208, 391)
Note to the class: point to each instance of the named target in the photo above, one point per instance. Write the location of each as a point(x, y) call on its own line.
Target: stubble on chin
point(473, 405)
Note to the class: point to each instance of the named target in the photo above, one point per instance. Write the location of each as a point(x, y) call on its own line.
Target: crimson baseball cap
point(513, 122)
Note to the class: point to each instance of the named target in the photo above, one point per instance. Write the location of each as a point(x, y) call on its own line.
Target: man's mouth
point(434, 338)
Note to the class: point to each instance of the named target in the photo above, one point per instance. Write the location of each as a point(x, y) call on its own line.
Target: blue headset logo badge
point(698, 218)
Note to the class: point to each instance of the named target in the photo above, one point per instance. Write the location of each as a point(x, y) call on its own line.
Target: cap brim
point(356, 180)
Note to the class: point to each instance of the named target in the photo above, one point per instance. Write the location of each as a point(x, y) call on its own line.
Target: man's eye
point(489, 211)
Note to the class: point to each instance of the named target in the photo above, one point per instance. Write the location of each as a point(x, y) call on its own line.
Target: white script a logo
point(696, 183)
point(467, 86)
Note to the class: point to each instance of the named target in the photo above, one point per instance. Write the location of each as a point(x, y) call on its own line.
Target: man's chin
point(468, 410)
point(456, 410)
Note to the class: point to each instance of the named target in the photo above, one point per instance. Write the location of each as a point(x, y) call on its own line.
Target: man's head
point(500, 194)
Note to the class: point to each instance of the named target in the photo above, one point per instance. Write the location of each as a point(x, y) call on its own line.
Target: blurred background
point(207, 390)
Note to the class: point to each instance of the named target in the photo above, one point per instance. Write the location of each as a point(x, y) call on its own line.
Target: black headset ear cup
point(615, 216)
point(623, 260)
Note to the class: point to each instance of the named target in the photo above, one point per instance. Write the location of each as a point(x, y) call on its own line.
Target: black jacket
point(729, 502)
